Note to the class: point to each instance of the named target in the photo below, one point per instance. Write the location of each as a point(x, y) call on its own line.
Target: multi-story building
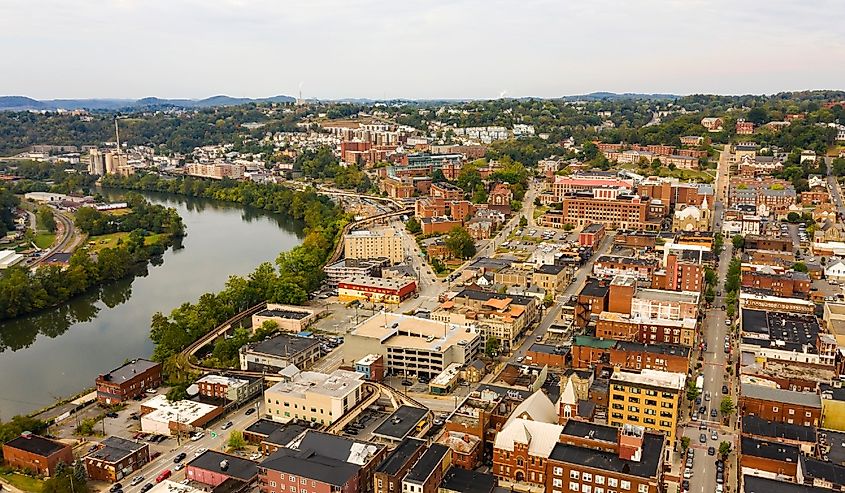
point(522, 450)
point(288, 318)
point(551, 277)
point(213, 468)
point(278, 352)
point(591, 301)
point(115, 458)
point(387, 477)
point(610, 266)
point(370, 245)
point(217, 171)
point(648, 398)
point(505, 317)
point(611, 325)
point(36, 454)
point(591, 235)
point(594, 458)
point(500, 198)
point(590, 352)
point(447, 191)
point(321, 463)
point(616, 208)
point(128, 381)
point(680, 273)
point(375, 289)
point(346, 267)
point(784, 284)
point(780, 405)
point(426, 475)
point(412, 345)
point(712, 124)
point(467, 449)
point(744, 128)
point(236, 390)
point(315, 397)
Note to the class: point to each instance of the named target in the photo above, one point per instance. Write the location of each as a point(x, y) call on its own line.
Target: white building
point(835, 272)
point(162, 417)
point(9, 258)
point(316, 397)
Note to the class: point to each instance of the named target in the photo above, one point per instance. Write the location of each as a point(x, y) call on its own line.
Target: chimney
point(631, 443)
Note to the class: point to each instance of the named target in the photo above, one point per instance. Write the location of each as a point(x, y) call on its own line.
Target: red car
point(164, 475)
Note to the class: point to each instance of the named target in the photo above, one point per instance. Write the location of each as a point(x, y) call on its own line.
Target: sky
point(420, 49)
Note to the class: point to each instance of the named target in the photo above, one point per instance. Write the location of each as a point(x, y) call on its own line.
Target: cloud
point(424, 49)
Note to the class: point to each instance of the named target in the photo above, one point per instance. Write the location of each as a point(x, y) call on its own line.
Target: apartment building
point(36, 454)
point(387, 477)
point(591, 352)
point(236, 390)
point(427, 474)
point(680, 273)
point(505, 317)
point(316, 397)
point(783, 284)
point(780, 405)
point(412, 345)
point(648, 398)
point(610, 266)
point(616, 208)
point(596, 458)
point(216, 171)
point(115, 458)
point(279, 352)
point(371, 244)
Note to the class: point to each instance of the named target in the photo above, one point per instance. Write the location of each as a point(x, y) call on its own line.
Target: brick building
point(36, 454)
point(591, 235)
point(590, 352)
point(427, 474)
point(779, 405)
point(387, 477)
point(128, 381)
point(768, 457)
point(648, 398)
point(608, 206)
point(785, 284)
point(213, 468)
point(115, 458)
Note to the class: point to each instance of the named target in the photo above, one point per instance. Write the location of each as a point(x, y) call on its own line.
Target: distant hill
point(600, 96)
point(23, 103)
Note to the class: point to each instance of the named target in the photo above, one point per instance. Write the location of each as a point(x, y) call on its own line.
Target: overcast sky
point(417, 48)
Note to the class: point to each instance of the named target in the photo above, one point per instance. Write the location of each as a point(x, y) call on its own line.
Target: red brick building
point(769, 456)
point(591, 235)
point(787, 284)
point(116, 458)
point(446, 191)
point(128, 381)
point(744, 128)
point(614, 210)
point(592, 352)
point(387, 477)
point(499, 199)
point(680, 275)
point(212, 468)
point(783, 406)
point(36, 454)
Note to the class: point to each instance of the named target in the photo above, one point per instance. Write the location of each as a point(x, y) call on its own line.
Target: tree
point(236, 440)
point(460, 243)
point(66, 479)
point(793, 217)
point(724, 449)
point(491, 347)
point(738, 242)
point(710, 276)
point(177, 392)
point(799, 267)
point(685, 441)
point(718, 244)
point(692, 391)
point(523, 222)
point(413, 225)
point(709, 294)
point(45, 219)
point(568, 227)
point(727, 406)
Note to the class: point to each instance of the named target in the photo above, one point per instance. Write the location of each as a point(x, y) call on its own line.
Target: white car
point(687, 473)
point(197, 436)
point(199, 452)
point(255, 456)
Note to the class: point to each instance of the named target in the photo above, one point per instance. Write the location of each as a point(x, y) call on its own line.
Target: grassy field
point(44, 239)
point(22, 482)
point(681, 174)
point(97, 243)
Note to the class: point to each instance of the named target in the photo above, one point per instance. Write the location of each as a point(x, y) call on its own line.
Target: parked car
point(112, 415)
point(151, 391)
point(227, 425)
point(179, 467)
point(711, 450)
point(702, 438)
point(714, 435)
point(200, 451)
point(116, 487)
point(407, 383)
point(687, 473)
point(197, 436)
point(725, 389)
point(146, 487)
point(714, 413)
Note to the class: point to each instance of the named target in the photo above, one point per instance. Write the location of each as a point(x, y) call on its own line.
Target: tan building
point(315, 397)
point(648, 398)
point(289, 318)
point(370, 244)
point(217, 171)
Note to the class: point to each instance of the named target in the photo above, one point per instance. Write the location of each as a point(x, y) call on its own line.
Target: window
point(557, 471)
point(587, 477)
point(291, 478)
point(598, 489)
point(574, 474)
point(304, 481)
point(574, 486)
point(586, 488)
point(613, 482)
point(625, 485)
point(599, 480)
point(273, 484)
point(775, 409)
point(791, 412)
point(643, 488)
point(557, 483)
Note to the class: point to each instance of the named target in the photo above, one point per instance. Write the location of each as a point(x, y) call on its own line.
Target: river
point(61, 351)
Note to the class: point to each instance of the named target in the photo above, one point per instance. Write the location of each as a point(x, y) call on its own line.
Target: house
point(389, 474)
point(36, 454)
point(835, 272)
point(427, 474)
point(712, 124)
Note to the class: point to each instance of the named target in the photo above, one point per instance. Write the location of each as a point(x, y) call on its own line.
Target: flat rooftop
point(264, 427)
point(780, 330)
point(595, 288)
point(115, 448)
point(336, 384)
point(400, 456)
point(756, 484)
point(761, 392)
point(593, 431)
point(129, 370)
point(184, 411)
point(426, 465)
point(283, 345)
point(375, 282)
point(224, 380)
point(239, 467)
point(647, 467)
point(36, 444)
point(754, 425)
point(667, 296)
point(404, 331)
point(400, 424)
point(652, 378)
point(287, 314)
point(457, 479)
point(769, 450)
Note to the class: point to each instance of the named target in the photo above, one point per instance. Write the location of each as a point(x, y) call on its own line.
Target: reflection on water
point(61, 351)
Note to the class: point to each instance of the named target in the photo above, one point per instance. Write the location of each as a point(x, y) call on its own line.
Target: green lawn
point(22, 482)
point(44, 239)
point(682, 174)
point(97, 243)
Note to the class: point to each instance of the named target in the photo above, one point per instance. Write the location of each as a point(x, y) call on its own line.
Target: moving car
point(180, 457)
point(714, 435)
point(200, 451)
point(179, 467)
point(137, 480)
point(711, 450)
point(227, 425)
point(116, 487)
point(164, 475)
point(146, 487)
point(197, 436)
point(714, 413)
point(702, 438)
point(250, 411)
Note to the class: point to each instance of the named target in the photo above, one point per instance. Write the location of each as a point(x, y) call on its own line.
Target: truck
point(699, 383)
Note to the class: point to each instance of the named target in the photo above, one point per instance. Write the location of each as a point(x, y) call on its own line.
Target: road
point(70, 237)
point(165, 461)
point(714, 364)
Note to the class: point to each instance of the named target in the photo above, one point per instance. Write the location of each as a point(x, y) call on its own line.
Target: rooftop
point(826, 471)
point(36, 444)
point(400, 424)
point(769, 450)
point(647, 467)
point(283, 345)
point(754, 425)
point(115, 448)
point(336, 384)
point(653, 378)
point(397, 330)
point(595, 288)
point(781, 395)
point(184, 411)
point(756, 484)
point(593, 431)
point(224, 380)
point(289, 314)
point(457, 479)
point(129, 370)
point(375, 282)
point(400, 456)
point(781, 330)
point(238, 467)
point(427, 463)
point(285, 435)
point(668, 296)
point(264, 427)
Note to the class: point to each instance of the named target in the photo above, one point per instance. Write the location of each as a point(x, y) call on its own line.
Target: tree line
point(295, 273)
point(23, 291)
